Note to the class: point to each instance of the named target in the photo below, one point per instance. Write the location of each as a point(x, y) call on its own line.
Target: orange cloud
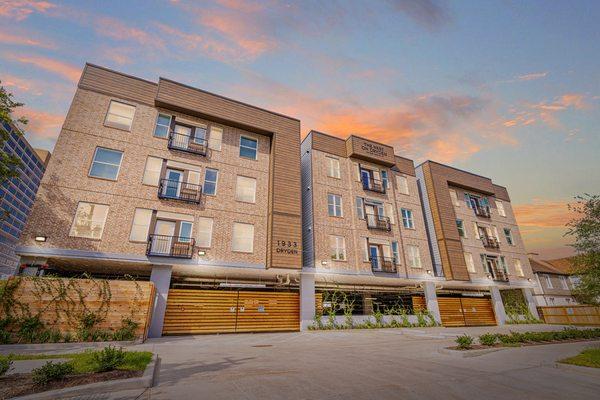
point(549, 214)
point(547, 112)
point(63, 69)
point(23, 40)
point(42, 124)
point(116, 29)
point(21, 9)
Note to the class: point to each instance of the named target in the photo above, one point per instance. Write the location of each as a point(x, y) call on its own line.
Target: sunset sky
point(506, 89)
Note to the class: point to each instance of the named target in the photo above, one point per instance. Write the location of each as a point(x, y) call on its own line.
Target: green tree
point(585, 228)
point(9, 164)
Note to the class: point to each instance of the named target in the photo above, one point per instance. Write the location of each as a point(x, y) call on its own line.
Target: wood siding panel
point(369, 150)
point(457, 311)
point(571, 315)
point(328, 144)
point(501, 193)
point(405, 165)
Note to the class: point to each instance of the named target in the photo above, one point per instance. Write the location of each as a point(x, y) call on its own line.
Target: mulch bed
point(21, 384)
point(523, 344)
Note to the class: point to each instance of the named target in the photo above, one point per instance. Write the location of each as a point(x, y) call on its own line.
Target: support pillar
point(307, 299)
point(498, 305)
point(432, 301)
point(161, 277)
point(528, 295)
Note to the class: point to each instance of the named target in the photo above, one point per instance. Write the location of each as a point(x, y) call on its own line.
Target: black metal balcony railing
point(498, 274)
point(490, 242)
point(183, 142)
point(378, 222)
point(374, 185)
point(175, 190)
point(483, 211)
point(383, 264)
point(170, 246)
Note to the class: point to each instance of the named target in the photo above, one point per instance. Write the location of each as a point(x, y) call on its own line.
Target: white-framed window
point(549, 284)
point(519, 267)
point(500, 208)
point(563, 282)
point(414, 256)
point(89, 220)
point(360, 207)
point(152, 171)
point(470, 263)
point(119, 115)
point(407, 218)
point(389, 212)
point(211, 176)
point(396, 252)
point(402, 182)
point(163, 125)
point(333, 167)
point(337, 245)
point(204, 235)
point(242, 238)
point(334, 205)
point(215, 139)
point(460, 225)
point(185, 231)
point(245, 189)
point(508, 236)
point(248, 148)
point(454, 198)
point(385, 181)
point(106, 163)
point(142, 218)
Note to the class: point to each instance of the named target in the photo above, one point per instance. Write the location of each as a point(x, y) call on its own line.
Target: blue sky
point(506, 89)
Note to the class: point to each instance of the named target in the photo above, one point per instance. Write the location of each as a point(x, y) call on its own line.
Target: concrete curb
point(470, 353)
point(143, 382)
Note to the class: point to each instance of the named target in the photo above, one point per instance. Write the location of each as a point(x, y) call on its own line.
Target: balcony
point(373, 185)
point(490, 242)
point(378, 222)
point(499, 275)
point(183, 191)
point(182, 142)
point(170, 246)
point(383, 264)
point(483, 211)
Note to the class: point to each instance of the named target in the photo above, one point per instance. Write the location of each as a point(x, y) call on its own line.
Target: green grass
point(84, 362)
point(587, 358)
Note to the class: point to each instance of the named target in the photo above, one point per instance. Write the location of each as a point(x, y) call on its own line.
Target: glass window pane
point(247, 153)
point(185, 231)
point(109, 156)
point(161, 131)
point(246, 142)
point(164, 120)
point(89, 220)
point(104, 171)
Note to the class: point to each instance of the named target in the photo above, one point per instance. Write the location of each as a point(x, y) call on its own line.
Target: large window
point(215, 139)
point(508, 236)
point(333, 167)
point(245, 189)
point(360, 207)
point(519, 267)
point(141, 224)
point(396, 252)
point(210, 181)
point(248, 148)
point(106, 163)
point(89, 220)
point(454, 198)
point(460, 225)
point(549, 284)
point(563, 282)
point(243, 237)
point(337, 244)
point(163, 124)
point(152, 171)
point(407, 218)
point(120, 115)
point(204, 236)
point(402, 182)
point(334, 205)
point(185, 231)
point(414, 256)
point(385, 180)
point(470, 262)
point(500, 208)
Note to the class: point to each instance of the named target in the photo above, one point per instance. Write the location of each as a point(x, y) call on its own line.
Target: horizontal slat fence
point(571, 315)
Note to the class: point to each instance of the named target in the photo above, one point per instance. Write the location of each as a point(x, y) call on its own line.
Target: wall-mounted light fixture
point(489, 276)
point(428, 272)
point(201, 252)
point(40, 238)
point(528, 279)
point(324, 262)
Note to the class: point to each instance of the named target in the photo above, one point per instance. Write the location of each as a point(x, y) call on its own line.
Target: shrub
point(126, 331)
point(51, 372)
point(108, 359)
point(421, 321)
point(5, 363)
point(464, 342)
point(68, 338)
point(488, 339)
point(30, 329)
point(378, 315)
point(5, 337)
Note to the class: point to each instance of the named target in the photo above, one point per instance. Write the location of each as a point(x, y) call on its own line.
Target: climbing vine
point(516, 309)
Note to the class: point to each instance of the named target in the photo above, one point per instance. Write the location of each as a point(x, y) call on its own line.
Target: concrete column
point(528, 295)
point(307, 299)
point(498, 305)
point(431, 301)
point(161, 277)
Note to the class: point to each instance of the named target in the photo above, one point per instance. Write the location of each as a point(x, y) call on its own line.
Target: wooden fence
point(570, 315)
point(61, 302)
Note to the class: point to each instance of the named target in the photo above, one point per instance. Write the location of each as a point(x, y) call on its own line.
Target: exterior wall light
point(489, 276)
point(201, 252)
point(324, 262)
point(40, 239)
point(428, 272)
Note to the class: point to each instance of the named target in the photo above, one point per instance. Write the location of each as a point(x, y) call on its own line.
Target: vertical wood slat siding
point(456, 311)
point(328, 144)
point(571, 315)
point(405, 165)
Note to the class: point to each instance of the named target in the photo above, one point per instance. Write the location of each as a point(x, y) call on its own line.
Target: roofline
point(119, 73)
point(326, 134)
point(457, 169)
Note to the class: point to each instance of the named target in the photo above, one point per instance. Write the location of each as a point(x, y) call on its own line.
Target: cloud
point(52, 65)
point(21, 9)
point(431, 14)
point(23, 40)
point(42, 124)
point(116, 29)
point(547, 112)
point(549, 214)
point(532, 77)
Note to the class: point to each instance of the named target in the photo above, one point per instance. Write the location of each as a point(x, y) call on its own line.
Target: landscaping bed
point(587, 358)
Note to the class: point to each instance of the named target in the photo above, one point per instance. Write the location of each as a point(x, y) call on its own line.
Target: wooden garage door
point(219, 311)
point(478, 311)
point(451, 311)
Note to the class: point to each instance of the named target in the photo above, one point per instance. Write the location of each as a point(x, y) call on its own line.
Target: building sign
point(287, 247)
point(374, 149)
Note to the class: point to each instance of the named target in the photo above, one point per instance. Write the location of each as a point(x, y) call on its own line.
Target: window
point(407, 219)
point(200, 134)
point(563, 282)
point(337, 244)
point(454, 198)
point(470, 263)
point(384, 179)
point(360, 207)
point(245, 189)
point(106, 163)
point(508, 236)
point(500, 208)
point(575, 280)
point(334, 205)
point(163, 125)
point(503, 265)
point(216, 138)
point(185, 232)
point(402, 182)
point(389, 212)
point(152, 171)
point(333, 167)
point(414, 257)
point(243, 237)
point(210, 181)
point(141, 225)
point(461, 228)
point(519, 267)
point(248, 148)
point(396, 252)
point(549, 284)
point(204, 236)
point(89, 220)
point(120, 115)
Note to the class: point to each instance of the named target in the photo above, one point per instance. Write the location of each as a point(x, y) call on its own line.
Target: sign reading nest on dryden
point(287, 247)
point(374, 149)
